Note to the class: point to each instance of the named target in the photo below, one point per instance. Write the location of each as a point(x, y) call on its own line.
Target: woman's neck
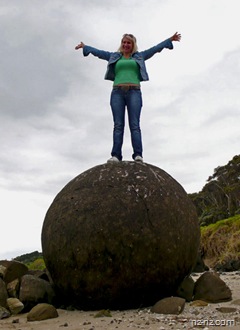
point(127, 55)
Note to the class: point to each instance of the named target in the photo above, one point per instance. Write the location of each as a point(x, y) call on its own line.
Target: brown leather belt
point(127, 87)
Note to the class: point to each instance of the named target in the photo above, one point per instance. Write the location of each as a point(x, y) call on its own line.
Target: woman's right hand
point(81, 45)
point(176, 37)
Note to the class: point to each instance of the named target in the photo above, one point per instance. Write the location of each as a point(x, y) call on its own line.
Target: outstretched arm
point(176, 37)
point(158, 48)
point(102, 54)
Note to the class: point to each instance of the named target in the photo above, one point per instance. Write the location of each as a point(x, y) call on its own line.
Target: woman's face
point(127, 46)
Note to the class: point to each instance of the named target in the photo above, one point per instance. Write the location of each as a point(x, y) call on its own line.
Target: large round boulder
point(120, 236)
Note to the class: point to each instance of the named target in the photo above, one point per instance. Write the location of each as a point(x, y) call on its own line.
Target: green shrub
point(37, 264)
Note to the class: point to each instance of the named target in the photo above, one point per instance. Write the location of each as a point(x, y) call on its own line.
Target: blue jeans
point(132, 99)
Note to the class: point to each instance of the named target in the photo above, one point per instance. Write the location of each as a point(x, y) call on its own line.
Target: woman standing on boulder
point(126, 68)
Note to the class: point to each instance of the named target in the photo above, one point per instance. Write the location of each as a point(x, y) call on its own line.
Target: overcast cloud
point(55, 116)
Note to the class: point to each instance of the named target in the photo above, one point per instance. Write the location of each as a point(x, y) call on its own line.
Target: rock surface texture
point(120, 236)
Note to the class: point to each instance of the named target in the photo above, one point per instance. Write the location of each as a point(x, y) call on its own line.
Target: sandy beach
point(207, 317)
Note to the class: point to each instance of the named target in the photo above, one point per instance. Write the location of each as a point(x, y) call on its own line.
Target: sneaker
point(113, 160)
point(138, 159)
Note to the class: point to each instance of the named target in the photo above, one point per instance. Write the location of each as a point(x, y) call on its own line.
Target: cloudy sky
point(55, 116)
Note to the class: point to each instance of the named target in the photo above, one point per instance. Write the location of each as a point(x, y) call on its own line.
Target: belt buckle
point(125, 88)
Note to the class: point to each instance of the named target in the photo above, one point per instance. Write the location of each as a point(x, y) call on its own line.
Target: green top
point(126, 71)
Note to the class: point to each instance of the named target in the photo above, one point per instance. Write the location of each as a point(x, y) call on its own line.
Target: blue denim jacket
point(139, 57)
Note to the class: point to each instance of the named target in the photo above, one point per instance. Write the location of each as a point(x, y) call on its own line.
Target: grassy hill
point(220, 243)
point(33, 260)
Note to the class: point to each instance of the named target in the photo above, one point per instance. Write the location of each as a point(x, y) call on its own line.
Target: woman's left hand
point(176, 37)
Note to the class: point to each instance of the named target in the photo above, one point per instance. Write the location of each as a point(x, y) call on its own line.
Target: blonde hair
point(132, 39)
